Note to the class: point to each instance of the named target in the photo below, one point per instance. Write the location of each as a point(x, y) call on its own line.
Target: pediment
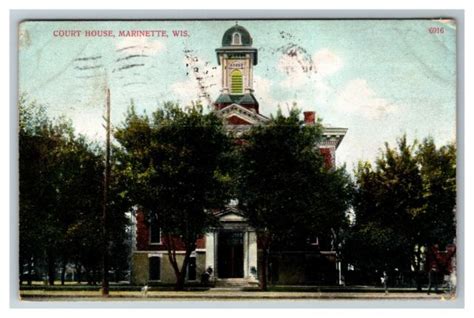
point(232, 217)
point(231, 214)
point(236, 114)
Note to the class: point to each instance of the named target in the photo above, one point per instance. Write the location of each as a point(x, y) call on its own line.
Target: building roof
point(224, 99)
point(248, 99)
point(237, 50)
point(246, 39)
point(332, 136)
point(245, 99)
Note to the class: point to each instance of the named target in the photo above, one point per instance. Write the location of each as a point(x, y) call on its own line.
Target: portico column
point(210, 251)
point(246, 254)
point(252, 253)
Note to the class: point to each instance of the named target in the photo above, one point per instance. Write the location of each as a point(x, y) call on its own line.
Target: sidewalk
point(216, 295)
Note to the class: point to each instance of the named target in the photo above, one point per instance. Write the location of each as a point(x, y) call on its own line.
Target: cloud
point(302, 69)
point(140, 45)
point(262, 87)
point(268, 103)
point(327, 62)
point(357, 97)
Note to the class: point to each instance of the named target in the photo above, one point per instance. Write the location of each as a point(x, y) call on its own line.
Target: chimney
point(309, 117)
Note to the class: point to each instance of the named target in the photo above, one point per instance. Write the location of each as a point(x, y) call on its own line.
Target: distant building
point(232, 251)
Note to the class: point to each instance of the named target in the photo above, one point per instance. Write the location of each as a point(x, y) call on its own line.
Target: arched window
point(236, 39)
point(237, 83)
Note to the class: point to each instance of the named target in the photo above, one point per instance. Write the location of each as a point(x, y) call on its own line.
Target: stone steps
point(235, 283)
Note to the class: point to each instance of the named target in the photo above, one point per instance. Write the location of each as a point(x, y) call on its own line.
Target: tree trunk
point(184, 269)
point(63, 272)
point(51, 269)
point(170, 246)
point(418, 269)
point(418, 275)
point(264, 278)
point(180, 280)
point(179, 273)
point(78, 272)
point(266, 240)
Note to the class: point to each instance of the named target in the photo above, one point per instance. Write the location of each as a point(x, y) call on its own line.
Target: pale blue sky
point(379, 78)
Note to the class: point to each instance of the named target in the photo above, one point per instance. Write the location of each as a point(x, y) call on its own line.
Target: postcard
point(237, 159)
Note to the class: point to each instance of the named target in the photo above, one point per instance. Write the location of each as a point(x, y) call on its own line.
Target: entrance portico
point(231, 250)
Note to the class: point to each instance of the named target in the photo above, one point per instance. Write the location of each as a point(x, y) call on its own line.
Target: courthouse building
point(232, 250)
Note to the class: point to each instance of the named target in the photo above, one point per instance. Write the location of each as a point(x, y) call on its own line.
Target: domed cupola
point(236, 36)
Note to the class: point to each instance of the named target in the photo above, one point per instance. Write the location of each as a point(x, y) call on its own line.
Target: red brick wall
point(143, 233)
point(201, 242)
point(143, 237)
point(309, 117)
point(234, 120)
point(328, 154)
point(440, 261)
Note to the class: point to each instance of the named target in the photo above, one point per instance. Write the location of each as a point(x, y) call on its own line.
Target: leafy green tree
point(402, 205)
point(437, 222)
point(118, 223)
point(284, 188)
point(32, 192)
point(61, 180)
point(175, 162)
point(83, 232)
point(438, 171)
point(387, 202)
point(42, 144)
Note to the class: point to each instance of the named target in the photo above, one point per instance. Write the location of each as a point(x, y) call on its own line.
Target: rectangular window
point(154, 266)
point(155, 232)
point(192, 268)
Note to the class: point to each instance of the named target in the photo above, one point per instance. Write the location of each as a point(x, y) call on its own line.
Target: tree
point(60, 194)
point(388, 201)
point(437, 222)
point(438, 171)
point(45, 184)
point(283, 187)
point(118, 224)
point(175, 162)
point(31, 190)
point(402, 205)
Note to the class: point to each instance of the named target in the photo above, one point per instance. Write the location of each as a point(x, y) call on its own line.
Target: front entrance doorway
point(230, 254)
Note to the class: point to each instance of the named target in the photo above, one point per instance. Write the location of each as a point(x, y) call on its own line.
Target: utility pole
point(105, 240)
